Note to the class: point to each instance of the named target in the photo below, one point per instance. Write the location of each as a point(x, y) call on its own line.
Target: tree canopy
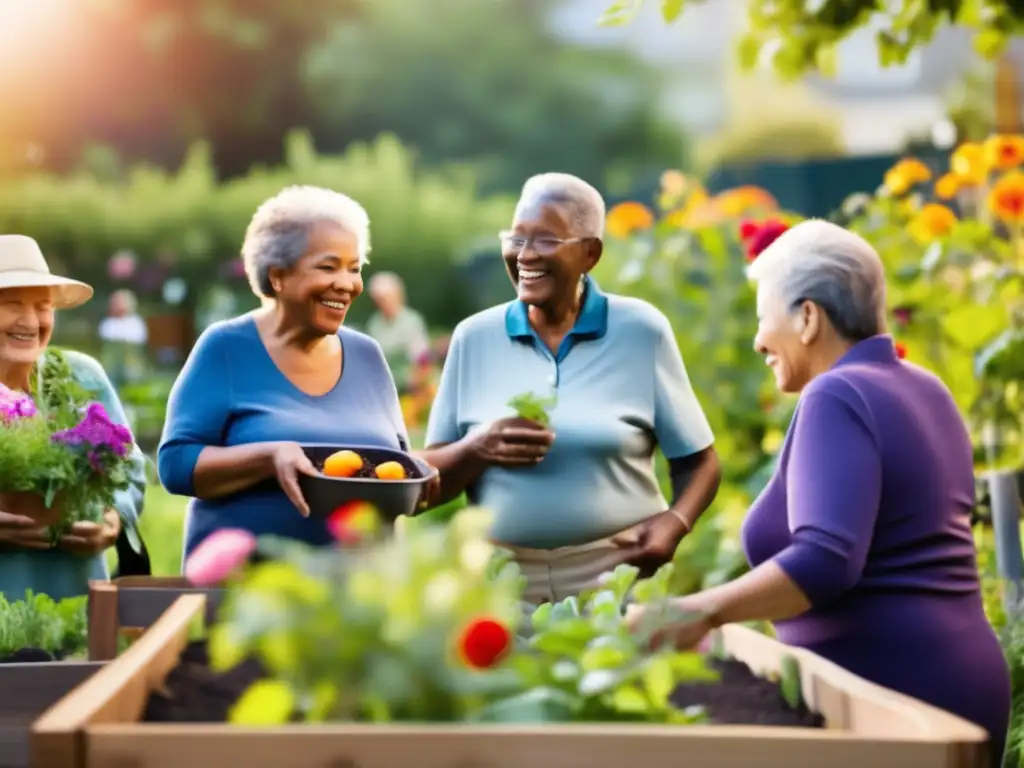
point(797, 36)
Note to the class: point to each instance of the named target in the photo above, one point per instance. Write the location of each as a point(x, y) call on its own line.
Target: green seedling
point(533, 407)
point(791, 684)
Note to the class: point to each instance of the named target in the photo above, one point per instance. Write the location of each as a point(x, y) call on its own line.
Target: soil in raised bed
point(740, 697)
point(28, 656)
point(193, 693)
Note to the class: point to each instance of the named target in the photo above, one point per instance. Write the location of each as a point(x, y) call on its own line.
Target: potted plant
point(61, 457)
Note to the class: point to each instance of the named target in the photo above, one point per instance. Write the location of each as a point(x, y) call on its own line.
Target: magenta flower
point(98, 434)
point(219, 555)
point(15, 405)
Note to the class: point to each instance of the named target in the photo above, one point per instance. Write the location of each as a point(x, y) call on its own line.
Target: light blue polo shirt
point(622, 391)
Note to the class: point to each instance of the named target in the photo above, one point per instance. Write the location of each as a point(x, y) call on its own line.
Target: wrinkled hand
point(23, 532)
point(290, 461)
point(514, 442)
point(655, 542)
point(92, 538)
point(689, 631)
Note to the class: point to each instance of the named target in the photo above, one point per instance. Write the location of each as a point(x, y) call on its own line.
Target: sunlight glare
point(25, 23)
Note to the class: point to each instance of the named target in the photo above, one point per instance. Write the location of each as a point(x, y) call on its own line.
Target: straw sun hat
point(22, 266)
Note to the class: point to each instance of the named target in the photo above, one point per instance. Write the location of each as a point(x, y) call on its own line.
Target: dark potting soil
point(193, 693)
point(28, 656)
point(739, 697)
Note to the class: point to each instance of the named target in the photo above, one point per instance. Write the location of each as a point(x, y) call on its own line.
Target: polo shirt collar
point(592, 322)
point(877, 349)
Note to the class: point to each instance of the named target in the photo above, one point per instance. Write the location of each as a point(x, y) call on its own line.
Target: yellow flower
point(626, 218)
point(1006, 199)
point(932, 221)
point(905, 174)
point(969, 164)
point(948, 186)
point(673, 183)
point(1004, 152)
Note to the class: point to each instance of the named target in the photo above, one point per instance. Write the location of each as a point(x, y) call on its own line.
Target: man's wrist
point(686, 525)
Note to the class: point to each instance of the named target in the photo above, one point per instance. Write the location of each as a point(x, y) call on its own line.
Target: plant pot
point(29, 504)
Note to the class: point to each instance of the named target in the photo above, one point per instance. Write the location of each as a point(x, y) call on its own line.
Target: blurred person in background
point(257, 386)
point(860, 544)
point(29, 299)
point(575, 499)
point(399, 330)
point(123, 335)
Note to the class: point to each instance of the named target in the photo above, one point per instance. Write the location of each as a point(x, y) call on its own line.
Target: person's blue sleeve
point(91, 377)
point(443, 424)
point(680, 425)
point(197, 412)
point(833, 490)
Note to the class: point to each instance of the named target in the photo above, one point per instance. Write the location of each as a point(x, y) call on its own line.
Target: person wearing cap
point(30, 295)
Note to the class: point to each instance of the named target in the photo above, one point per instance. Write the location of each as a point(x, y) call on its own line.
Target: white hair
point(583, 204)
point(277, 235)
point(383, 281)
point(836, 269)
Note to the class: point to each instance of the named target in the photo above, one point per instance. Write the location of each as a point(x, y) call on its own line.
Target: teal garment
point(622, 391)
point(62, 574)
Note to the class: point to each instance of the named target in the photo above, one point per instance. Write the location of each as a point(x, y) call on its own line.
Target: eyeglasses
point(543, 245)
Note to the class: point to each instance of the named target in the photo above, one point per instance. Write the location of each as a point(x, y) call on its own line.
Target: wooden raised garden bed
point(97, 726)
point(131, 604)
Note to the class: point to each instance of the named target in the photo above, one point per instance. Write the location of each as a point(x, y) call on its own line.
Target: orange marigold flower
point(932, 221)
point(1004, 152)
point(1006, 199)
point(626, 218)
point(948, 186)
point(905, 174)
point(968, 162)
point(484, 642)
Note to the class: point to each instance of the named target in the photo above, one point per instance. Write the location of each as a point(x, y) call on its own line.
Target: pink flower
point(219, 556)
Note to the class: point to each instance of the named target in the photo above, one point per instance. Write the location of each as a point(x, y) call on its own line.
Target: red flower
point(766, 234)
point(748, 228)
point(349, 523)
point(901, 350)
point(484, 642)
point(903, 315)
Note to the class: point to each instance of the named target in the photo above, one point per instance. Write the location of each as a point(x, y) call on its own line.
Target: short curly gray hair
point(277, 235)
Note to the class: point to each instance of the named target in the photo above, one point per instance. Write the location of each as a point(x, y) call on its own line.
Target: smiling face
point(323, 283)
point(26, 324)
point(784, 336)
point(547, 271)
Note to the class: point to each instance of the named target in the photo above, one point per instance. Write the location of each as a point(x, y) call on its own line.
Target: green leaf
point(628, 699)
point(538, 705)
point(619, 13)
point(748, 51)
point(989, 43)
point(540, 619)
point(659, 679)
point(533, 407)
point(1003, 359)
point(670, 9)
point(267, 702)
point(791, 682)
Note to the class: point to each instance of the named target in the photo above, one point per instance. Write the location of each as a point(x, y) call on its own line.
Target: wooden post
point(104, 622)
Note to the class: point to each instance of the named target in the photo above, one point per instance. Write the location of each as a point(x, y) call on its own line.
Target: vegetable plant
point(37, 621)
point(533, 407)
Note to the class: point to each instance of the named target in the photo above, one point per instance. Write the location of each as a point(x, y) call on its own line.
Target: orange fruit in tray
point(343, 464)
point(391, 470)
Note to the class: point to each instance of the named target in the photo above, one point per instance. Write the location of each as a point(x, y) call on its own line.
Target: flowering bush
point(953, 244)
point(58, 446)
point(426, 627)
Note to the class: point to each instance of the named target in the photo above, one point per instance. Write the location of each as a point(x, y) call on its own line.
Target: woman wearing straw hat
point(29, 297)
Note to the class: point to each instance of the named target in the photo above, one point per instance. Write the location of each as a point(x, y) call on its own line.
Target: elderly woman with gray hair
point(257, 386)
point(861, 544)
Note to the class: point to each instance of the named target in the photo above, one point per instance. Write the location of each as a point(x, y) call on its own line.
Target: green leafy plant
point(39, 622)
point(533, 407)
point(61, 447)
point(425, 627)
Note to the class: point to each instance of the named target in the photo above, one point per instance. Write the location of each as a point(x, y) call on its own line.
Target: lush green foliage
point(383, 633)
point(801, 36)
point(39, 622)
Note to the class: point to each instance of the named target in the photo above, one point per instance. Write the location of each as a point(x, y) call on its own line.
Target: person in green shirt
point(29, 298)
point(398, 329)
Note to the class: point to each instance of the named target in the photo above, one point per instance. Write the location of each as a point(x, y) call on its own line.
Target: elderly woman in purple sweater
point(860, 545)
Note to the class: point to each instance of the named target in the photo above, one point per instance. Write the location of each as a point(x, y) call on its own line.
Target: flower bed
point(98, 724)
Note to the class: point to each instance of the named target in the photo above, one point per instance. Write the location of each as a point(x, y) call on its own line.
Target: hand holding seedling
point(514, 442)
point(533, 407)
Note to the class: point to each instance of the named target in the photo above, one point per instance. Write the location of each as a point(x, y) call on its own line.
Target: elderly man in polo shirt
point(574, 500)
